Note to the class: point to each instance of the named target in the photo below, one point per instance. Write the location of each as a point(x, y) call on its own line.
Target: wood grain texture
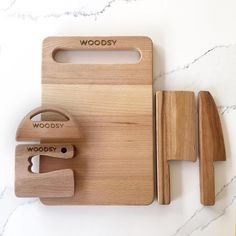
point(211, 145)
point(113, 106)
point(53, 130)
point(59, 183)
point(176, 135)
point(113, 74)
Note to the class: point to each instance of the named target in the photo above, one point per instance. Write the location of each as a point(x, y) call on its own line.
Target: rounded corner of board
point(148, 39)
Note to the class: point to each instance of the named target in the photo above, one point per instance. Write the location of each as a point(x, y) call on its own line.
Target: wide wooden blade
point(176, 135)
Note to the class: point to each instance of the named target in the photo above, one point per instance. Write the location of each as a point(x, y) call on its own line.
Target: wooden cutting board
point(112, 104)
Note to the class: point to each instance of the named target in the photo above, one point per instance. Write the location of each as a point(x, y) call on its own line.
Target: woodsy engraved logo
point(98, 42)
point(55, 125)
point(41, 148)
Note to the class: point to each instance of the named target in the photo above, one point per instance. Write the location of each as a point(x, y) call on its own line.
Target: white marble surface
point(195, 48)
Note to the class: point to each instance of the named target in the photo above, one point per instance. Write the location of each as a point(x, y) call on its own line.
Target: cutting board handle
point(97, 43)
point(54, 72)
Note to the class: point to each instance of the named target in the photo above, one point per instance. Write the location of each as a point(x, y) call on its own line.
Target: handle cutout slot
point(131, 56)
point(51, 116)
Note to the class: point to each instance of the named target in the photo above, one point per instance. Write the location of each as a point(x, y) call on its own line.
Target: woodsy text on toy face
point(55, 125)
point(41, 149)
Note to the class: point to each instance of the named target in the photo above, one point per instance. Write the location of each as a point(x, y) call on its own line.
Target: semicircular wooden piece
point(50, 130)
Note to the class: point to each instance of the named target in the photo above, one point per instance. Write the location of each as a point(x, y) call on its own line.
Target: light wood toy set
point(98, 140)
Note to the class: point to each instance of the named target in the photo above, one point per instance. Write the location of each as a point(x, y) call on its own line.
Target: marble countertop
point(194, 49)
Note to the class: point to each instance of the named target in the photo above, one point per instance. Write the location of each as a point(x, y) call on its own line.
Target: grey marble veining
point(74, 13)
point(204, 216)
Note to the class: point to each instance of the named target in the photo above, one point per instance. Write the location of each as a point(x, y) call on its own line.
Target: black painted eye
point(63, 150)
